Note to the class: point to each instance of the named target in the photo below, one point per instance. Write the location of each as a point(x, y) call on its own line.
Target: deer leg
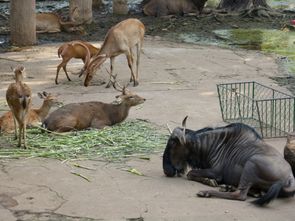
point(24, 136)
point(130, 65)
point(65, 70)
point(63, 65)
point(15, 127)
point(132, 77)
point(98, 124)
point(112, 60)
point(138, 48)
point(20, 131)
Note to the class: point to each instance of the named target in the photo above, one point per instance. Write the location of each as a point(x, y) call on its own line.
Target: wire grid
point(269, 111)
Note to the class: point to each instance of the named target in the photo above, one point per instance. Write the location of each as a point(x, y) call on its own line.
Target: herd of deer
point(120, 39)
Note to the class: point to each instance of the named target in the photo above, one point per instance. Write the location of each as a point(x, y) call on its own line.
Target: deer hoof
point(135, 83)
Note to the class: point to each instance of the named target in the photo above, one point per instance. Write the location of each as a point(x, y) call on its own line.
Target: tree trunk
point(96, 3)
point(238, 5)
point(81, 11)
point(120, 7)
point(22, 22)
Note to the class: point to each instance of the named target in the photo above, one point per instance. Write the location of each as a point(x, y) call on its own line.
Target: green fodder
point(116, 143)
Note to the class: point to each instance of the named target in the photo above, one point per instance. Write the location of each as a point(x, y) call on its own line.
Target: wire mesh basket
point(269, 111)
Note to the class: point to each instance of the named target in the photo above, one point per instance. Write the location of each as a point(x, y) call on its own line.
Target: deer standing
point(93, 114)
point(120, 39)
point(19, 100)
point(74, 49)
point(35, 115)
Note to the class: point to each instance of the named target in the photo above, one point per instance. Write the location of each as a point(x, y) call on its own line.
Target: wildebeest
point(232, 155)
point(168, 7)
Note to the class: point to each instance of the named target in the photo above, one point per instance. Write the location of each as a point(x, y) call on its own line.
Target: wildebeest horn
point(169, 129)
point(184, 128)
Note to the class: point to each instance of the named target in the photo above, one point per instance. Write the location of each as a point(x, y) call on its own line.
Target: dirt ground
point(177, 80)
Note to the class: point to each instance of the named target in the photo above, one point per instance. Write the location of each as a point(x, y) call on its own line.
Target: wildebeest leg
point(239, 194)
point(248, 177)
point(206, 176)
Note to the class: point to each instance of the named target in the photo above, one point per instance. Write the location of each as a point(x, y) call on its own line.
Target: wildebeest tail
point(270, 195)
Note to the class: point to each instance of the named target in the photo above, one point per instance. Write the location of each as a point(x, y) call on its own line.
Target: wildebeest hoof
point(226, 188)
point(189, 175)
point(211, 182)
point(203, 194)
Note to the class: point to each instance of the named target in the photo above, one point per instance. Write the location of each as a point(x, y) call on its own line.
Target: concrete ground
point(177, 80)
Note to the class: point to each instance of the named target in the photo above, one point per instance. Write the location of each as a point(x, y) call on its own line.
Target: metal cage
point(269, 111)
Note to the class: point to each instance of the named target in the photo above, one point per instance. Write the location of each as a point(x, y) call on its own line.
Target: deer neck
point(43, 111)
point(120, 112)
point(19, 78)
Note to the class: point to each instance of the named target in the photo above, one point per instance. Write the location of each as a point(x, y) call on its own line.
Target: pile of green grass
point(116, 143)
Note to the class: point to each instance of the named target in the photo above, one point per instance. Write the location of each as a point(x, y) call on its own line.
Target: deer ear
point(22, 68)
point(45, 93)
point(40, 95)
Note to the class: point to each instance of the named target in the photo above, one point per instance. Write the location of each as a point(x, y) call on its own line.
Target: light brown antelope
point(35, 115)
point(93, 114)
point(74, 49)
point(19, 100)
point(160, 8)
point(51, 22)
point(120, 39)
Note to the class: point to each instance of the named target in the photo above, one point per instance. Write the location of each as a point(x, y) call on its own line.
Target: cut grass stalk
point(116, 143)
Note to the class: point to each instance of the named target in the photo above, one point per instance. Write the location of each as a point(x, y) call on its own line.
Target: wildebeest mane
point(223, 143)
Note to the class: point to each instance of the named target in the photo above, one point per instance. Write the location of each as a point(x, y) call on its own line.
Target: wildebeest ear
point(178, 133)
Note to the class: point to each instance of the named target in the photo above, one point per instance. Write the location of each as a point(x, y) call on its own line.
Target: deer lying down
point(34, 117)
point(74, 49)
point(51, 23)
point(171, 7)
point(93, 114)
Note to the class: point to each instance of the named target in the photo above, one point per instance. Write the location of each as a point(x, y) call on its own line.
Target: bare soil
point(177, 79)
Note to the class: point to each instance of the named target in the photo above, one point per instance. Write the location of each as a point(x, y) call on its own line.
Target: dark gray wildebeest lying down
point(232, 155)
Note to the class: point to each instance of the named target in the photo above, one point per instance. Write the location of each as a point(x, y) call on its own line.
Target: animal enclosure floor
point(177, 80)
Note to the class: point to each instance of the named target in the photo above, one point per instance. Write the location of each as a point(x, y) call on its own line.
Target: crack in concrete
point(3, 168)
point(26, 215)
point(57, 194)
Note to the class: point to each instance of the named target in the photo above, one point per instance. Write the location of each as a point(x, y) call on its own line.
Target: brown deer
point(93, 114)
point(51, 22)
point(160, 8)
point(74, 49)
point(19, 100)
point(35, 115)
point(120, 39)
